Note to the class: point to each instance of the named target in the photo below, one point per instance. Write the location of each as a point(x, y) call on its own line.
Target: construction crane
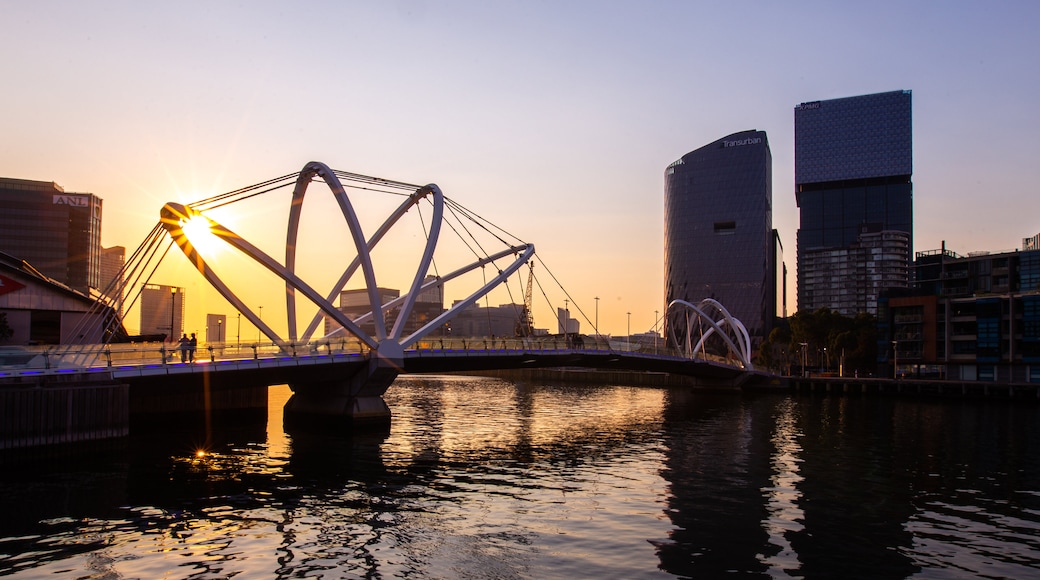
point(525, 326)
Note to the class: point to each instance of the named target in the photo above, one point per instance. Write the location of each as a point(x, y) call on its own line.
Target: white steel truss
point(711, 313)
point(175, 215)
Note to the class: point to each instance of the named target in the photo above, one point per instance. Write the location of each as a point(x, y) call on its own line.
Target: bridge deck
point(278, 363)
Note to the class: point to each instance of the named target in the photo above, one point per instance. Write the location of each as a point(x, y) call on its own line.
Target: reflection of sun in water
point(197, 229)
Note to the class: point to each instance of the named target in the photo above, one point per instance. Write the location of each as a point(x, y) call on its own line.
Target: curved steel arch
point(174, 215)
point(741, 348)
point(364, 247)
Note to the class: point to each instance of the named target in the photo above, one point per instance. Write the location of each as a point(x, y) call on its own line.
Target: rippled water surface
point(483, 478)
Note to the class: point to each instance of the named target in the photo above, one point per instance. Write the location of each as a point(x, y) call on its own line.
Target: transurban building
point(719, 240)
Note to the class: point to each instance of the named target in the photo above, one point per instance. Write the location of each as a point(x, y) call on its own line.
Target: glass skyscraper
point(853, 168)
point(718, 229)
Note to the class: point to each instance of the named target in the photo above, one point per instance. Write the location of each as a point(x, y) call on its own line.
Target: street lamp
point(220, 325)
point(238, 332)
point(895, 359)
point(258, 328)
point(805, 349)
point(655, 330)
point(597, 317)
point(173, 302)
point(628, 339)
point(566, 317)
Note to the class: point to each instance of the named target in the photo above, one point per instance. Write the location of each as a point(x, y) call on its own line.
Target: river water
point(483, 478)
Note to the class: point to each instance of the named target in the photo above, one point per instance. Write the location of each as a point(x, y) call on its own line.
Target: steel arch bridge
point(358, 396)
point(704, 320)
point(388, 341)
point(355, 391)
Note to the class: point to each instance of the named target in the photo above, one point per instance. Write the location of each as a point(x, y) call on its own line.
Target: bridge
point(341, 372)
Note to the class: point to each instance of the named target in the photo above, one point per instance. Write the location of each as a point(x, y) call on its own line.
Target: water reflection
point(717, 461)
point(486, 478)
point(783, 498)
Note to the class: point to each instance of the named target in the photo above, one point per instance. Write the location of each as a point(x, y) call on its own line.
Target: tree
point(850, 342)
point(6, 331)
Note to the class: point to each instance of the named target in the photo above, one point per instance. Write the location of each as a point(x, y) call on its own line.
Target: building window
point(986, 373)
point(725, 228)
point(1034, 374)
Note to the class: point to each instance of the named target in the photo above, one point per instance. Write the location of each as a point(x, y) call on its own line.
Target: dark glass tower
point(718, 229)
point(853, 168)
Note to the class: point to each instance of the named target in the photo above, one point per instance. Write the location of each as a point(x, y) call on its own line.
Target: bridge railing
point(18, 360)
point(21, 361)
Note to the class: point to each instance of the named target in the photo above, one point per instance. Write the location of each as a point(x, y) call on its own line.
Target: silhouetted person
point(192, 345)
point(182, 345)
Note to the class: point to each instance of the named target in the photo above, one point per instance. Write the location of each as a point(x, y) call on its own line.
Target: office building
point(216, 328)
point(475, 321)
point(162, 311)
point(355, 304)
point(57, 233)
point(719, 240)
point(853, 167)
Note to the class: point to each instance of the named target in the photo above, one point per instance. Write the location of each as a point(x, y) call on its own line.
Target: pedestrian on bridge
point(192, 345)
point(183, 345)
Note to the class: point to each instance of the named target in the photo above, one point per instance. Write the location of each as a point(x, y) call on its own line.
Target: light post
point(566, 317)
point(220, 326)
point(597, 317)
point(895, 359)
point(628, 337)
point(238, 332)
point(805, 349)
point(655, 331)
point(258, 328)
point(173, 303)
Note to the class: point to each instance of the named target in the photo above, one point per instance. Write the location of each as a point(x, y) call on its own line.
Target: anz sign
point(72, 200)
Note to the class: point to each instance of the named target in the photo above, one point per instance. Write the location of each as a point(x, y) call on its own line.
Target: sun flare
point(199, 233)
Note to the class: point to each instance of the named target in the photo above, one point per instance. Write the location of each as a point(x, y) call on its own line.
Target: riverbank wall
point(58, 413)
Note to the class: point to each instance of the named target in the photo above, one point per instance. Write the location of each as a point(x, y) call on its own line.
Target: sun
point(199, 232)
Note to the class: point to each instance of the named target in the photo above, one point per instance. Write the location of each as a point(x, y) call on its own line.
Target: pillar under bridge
point(348, 401)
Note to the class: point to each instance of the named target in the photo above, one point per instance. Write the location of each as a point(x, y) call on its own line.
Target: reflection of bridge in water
point(343, 375)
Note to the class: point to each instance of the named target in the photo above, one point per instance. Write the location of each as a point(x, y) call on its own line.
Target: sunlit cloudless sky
point(555, 120)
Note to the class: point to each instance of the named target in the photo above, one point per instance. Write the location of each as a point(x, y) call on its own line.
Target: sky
point(555, 120)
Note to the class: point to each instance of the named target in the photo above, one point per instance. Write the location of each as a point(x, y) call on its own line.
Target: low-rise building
point(39, 310)
point(974, 317)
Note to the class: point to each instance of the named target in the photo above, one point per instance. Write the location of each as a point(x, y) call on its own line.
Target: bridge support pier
point(350, 402)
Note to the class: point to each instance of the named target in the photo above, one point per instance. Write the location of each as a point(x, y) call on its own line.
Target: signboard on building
point(71, 200)
point(9, 285)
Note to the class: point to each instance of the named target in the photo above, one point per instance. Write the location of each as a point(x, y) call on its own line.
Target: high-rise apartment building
point(57, 233)
point(719, 240)
point(848, 280)
point(853, 167)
